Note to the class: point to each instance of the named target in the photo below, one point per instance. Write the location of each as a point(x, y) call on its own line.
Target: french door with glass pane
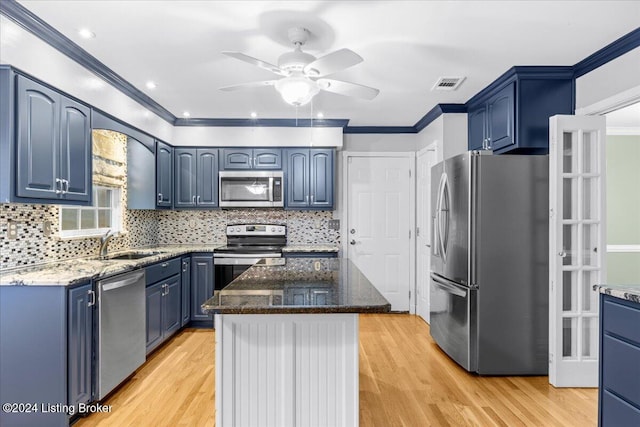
point(576, 247)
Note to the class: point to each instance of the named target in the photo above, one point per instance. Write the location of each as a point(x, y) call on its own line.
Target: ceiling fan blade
point(332, 62)
point(348, 89)
point(248, 85)
point(257, 62)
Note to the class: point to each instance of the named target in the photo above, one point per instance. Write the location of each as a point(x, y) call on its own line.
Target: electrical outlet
point(192, 223)
point(46, 228)
point(12, 230)
point(334, 224)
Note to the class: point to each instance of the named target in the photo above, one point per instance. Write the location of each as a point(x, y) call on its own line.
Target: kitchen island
point(619, 387)
point(287, 342)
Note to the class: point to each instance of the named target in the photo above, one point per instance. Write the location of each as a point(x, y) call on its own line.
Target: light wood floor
point(405, 380)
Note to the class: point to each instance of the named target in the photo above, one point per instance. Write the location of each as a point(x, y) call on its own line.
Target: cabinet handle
point(166, 286)
point(165, 264)
point(92, 298)
point(306, 198)
point(312, 199)
point(160, 197)
point(58, 186)
point(198, 200)
point(489, 143)
point(193, 200)
point(184, 266)
point(65, 182)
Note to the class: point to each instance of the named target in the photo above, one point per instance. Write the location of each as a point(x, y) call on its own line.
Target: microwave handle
point(271, 189)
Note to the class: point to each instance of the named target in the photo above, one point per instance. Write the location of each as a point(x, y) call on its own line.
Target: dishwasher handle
point(121, 281)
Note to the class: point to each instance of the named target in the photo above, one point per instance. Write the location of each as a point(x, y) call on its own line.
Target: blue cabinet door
point(75, 151)
point(267, 158)
point(80, 302)
point(321, 179)
point(184, 176)
point(207, 178)
point(297, 178)
point(186, 291)
point(38, 141)
point(171, 307)
point(477, 127)
point(154, 315)
point(237, 158)
point(500, 113)
point(164, 175)
point(202, 284)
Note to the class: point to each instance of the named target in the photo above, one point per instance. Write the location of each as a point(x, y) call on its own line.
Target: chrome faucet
point(104, 241)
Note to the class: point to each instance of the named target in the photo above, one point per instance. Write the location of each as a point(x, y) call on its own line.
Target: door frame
point(432, 147)
point(412, 209)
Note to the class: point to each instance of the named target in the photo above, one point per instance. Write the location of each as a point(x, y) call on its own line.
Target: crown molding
point(316, 123)
point(611, 51)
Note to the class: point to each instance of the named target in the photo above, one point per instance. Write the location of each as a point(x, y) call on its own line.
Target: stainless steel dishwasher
point(121, 329)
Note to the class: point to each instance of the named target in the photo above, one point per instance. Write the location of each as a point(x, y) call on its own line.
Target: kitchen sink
point(132, 255)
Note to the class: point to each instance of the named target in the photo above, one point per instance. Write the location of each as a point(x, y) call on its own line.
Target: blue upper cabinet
point(53, 146)
point(196, 177)
point(309, 178)
point(164, 175)
point(512, 114)
point(247, 158)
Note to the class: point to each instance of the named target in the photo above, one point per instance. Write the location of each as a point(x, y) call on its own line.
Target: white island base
point(287, 370)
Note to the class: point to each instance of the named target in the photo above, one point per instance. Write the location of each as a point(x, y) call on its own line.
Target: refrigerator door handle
point(448, 286)
point(439, 212)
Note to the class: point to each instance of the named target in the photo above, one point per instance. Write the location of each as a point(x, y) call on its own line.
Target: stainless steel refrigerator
point(489, 262)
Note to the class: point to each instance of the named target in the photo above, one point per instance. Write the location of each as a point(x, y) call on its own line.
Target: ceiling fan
point(303, 74)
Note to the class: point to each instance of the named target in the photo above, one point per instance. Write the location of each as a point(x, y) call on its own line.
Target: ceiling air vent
point(448, 83)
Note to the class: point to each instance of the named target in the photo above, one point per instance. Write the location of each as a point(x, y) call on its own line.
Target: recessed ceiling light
point(254, 114)
point(86, 33)
point(151, 85)
point(186, 114)
point(320, 115)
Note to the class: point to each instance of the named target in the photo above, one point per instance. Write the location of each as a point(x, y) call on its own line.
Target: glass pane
point(589, 337)
point(589, 296)
point(589, 153)
point(589, 198)
point(104, 218)
point(69, 219)
point(568, 155)
point(569, 337)
point(87, 219)
point(569, 290)
point(569, 198)
point(104, 197)
point(589, 242)
point(569, 244)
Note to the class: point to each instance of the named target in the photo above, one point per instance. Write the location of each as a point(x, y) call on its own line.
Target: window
point(93, 220)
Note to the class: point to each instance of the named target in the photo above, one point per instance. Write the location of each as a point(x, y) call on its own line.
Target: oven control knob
point(238, 229)
point(273, 229)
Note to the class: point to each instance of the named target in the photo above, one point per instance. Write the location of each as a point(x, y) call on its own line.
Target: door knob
point(352, 242)
point(353, 231)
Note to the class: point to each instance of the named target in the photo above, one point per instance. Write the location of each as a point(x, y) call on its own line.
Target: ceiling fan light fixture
point(297, 90)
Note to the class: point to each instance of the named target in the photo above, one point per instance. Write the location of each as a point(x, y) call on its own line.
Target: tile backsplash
point(146, 228)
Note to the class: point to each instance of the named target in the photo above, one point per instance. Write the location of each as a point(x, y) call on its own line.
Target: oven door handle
point(236, 261)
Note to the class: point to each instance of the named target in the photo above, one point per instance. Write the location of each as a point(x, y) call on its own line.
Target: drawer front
point(621, 319)
point(621, 368)
point(162, 270)
point(615, 412)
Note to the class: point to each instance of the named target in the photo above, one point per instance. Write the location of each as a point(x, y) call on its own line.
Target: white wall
point(380, 142)
point(449, 131)
point(258, 136)
point(28, 53)
point(613, 78)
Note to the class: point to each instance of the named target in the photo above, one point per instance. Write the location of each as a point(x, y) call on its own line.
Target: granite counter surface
point(625, 292)
point(311, 248)
point(78, 271)
point(299, 285)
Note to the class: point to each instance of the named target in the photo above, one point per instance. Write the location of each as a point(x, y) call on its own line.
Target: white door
point(424, 162)
point(576, 247)
point(379, 224)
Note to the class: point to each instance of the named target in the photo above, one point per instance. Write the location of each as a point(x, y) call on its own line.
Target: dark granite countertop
point(625, 292)
point(299, 285)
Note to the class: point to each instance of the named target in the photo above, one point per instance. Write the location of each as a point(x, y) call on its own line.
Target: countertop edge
point(624, 292)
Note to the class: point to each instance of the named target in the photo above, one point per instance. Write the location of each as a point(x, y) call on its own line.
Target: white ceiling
point(406, 46)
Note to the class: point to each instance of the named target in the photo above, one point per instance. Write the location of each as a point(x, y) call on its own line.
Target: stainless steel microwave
point(251, 189)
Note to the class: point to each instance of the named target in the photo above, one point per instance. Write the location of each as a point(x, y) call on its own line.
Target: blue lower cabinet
point(164, 310)
point(619, 391)
point(202, 285)
point(46, 335)
point(186, 291)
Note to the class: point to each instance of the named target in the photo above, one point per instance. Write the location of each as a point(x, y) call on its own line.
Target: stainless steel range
point(246, 245)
